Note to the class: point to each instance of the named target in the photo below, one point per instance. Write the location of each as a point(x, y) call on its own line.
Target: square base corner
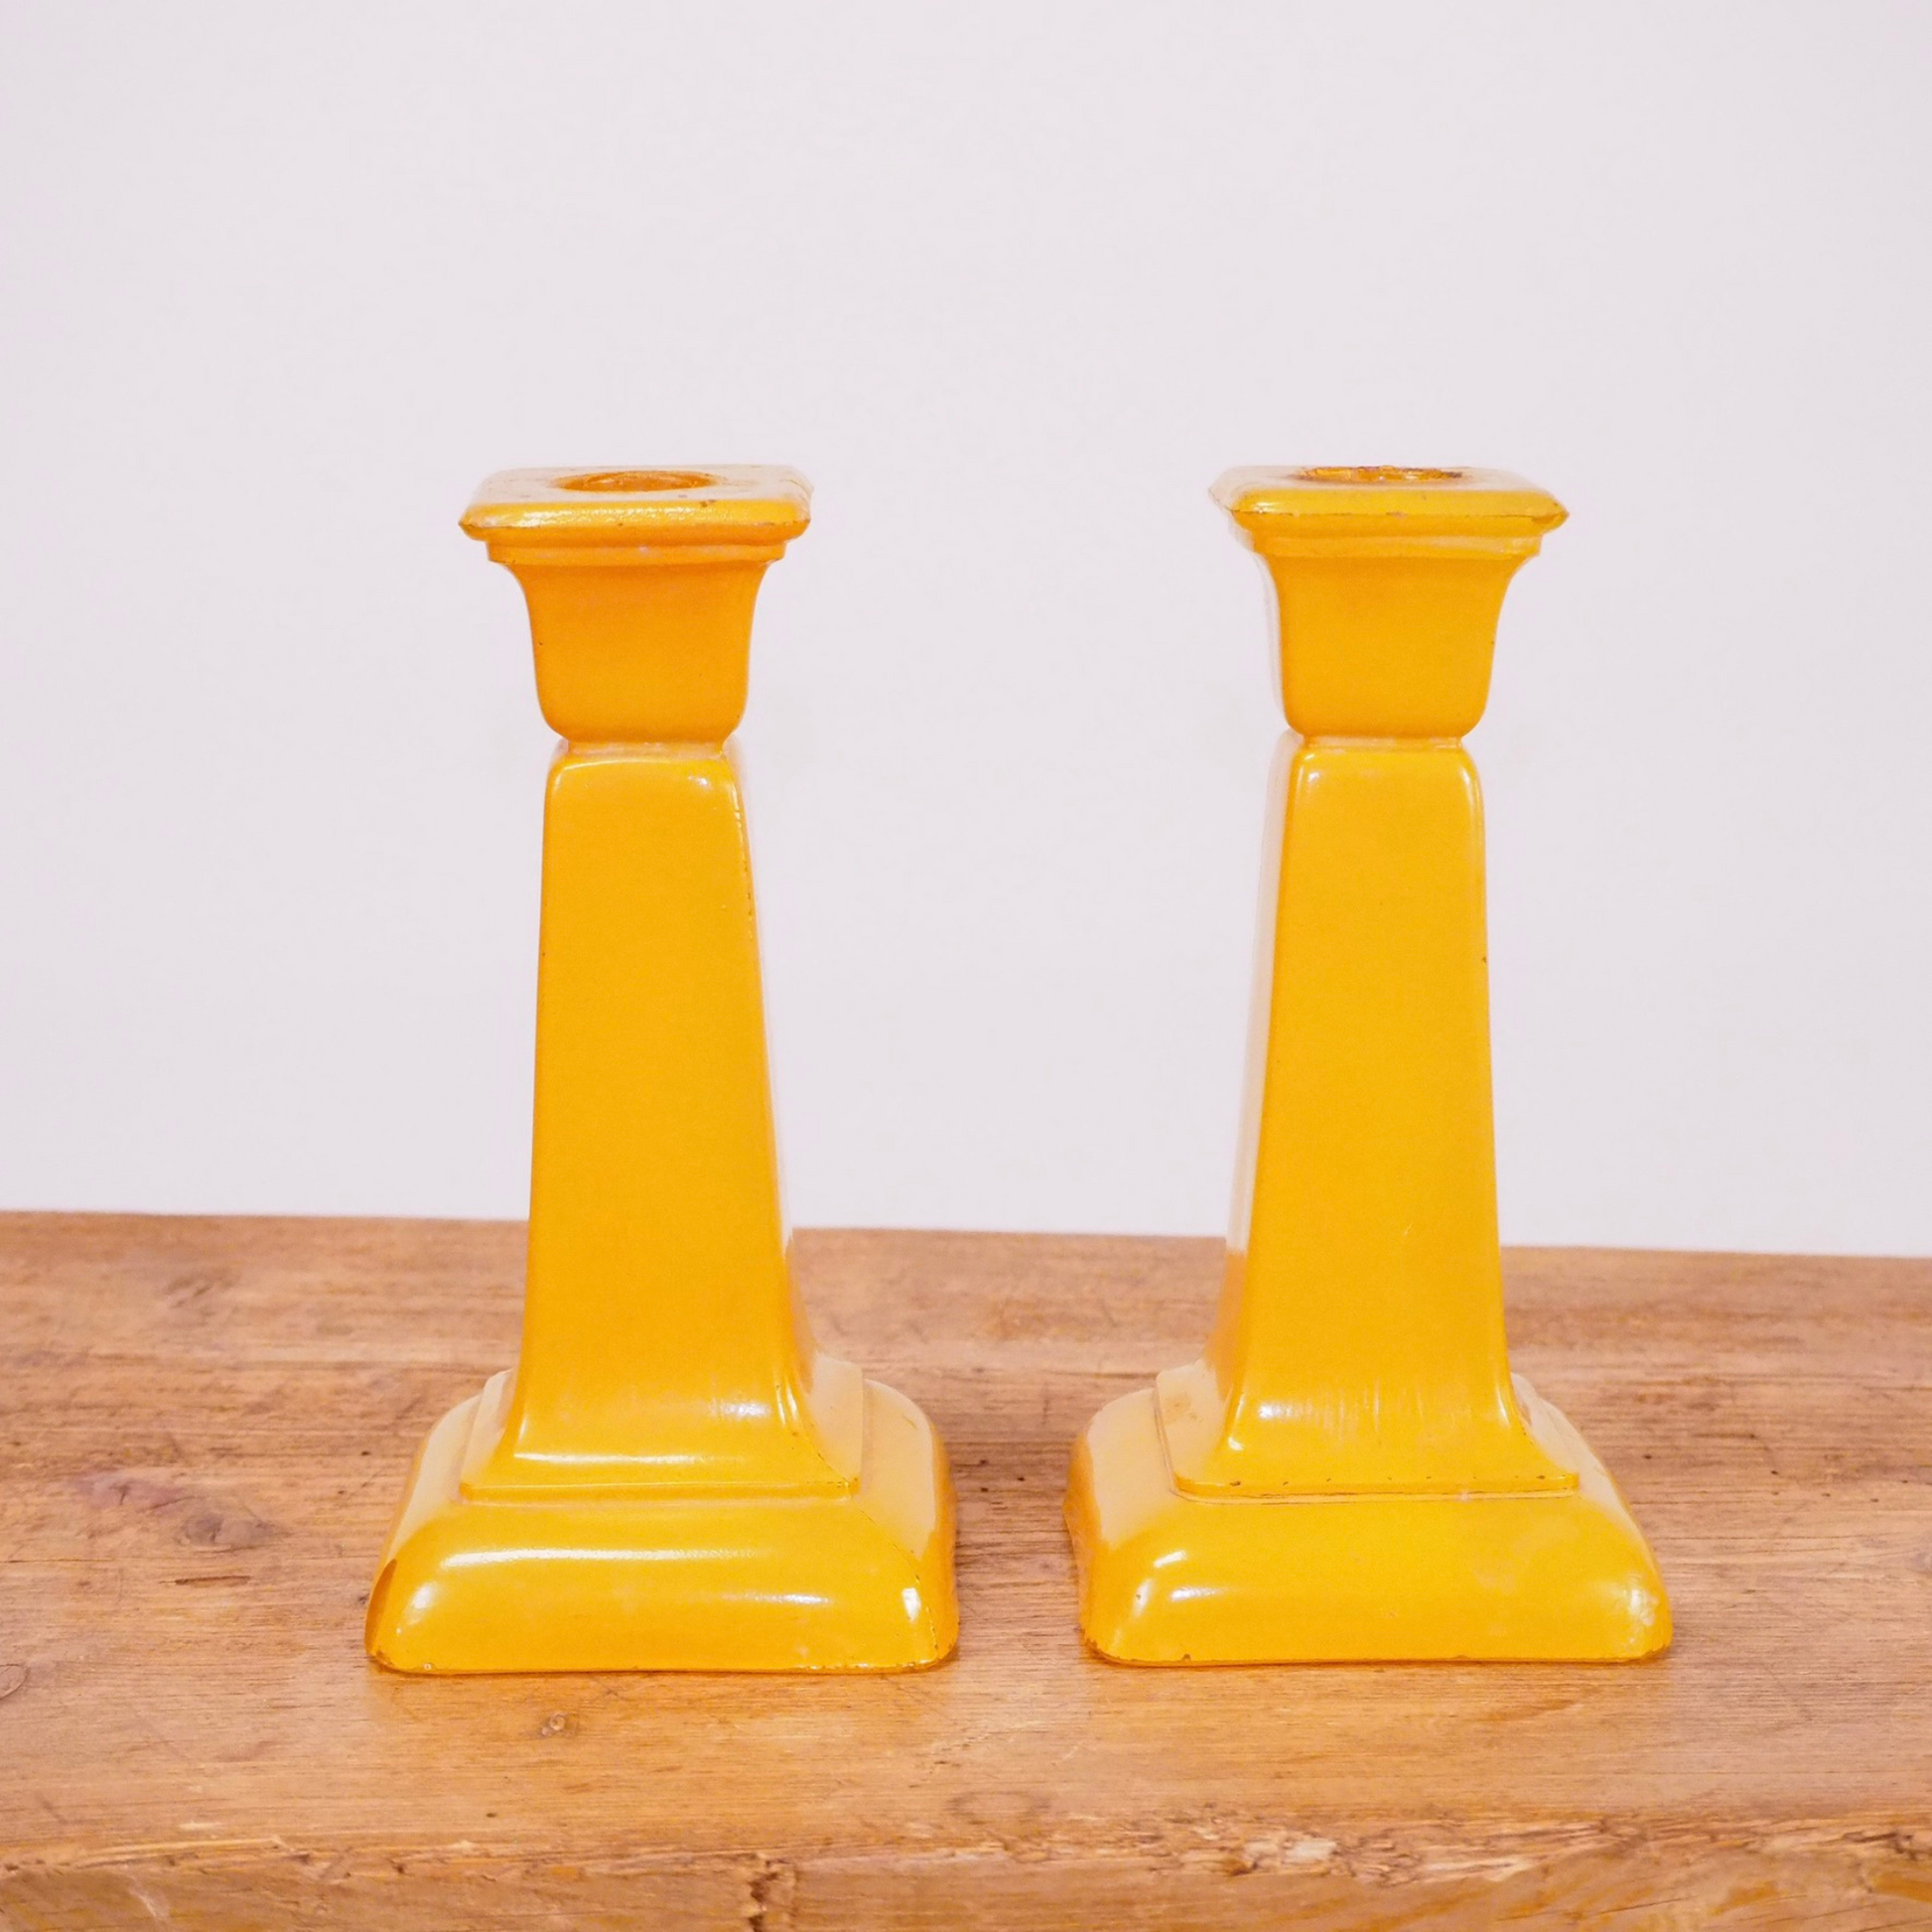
point(1174, 1578)
point(857, 1581)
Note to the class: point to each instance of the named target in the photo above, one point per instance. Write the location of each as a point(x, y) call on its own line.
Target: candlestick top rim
point(1312, 502)
point(630, 507)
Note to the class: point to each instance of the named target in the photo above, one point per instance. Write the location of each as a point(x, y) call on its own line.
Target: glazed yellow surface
point(673, 1475)
point(1350, 1468)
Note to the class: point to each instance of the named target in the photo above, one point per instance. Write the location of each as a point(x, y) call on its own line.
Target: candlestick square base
point(1174, 1578)
point(840, 1581)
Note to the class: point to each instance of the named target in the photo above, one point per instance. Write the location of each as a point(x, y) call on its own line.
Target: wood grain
point(205, 1426)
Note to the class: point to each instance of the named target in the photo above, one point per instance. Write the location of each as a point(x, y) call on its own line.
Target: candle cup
point(673, 1475)
point(1350, 1470)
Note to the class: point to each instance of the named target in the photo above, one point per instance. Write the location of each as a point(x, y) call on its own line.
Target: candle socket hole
point(1377, 473)
point(638, 482)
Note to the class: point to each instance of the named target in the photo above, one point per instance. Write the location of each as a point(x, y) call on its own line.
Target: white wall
point(1010, 283)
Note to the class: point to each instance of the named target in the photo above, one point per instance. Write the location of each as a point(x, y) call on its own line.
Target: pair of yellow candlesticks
point(675, 1477)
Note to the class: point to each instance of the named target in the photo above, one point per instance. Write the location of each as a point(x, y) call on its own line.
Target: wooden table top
point(204, 1427)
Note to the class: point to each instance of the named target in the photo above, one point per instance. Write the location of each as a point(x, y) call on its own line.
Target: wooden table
point(205, 1426)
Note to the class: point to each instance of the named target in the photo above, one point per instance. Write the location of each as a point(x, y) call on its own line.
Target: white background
point(1011, 284)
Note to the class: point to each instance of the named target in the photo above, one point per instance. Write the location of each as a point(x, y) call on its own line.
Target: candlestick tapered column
point(673, 1475)
point(1349, 1471)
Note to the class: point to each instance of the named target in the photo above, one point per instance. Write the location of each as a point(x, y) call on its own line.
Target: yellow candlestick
point(1350, 1470)
point(673, 1475)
